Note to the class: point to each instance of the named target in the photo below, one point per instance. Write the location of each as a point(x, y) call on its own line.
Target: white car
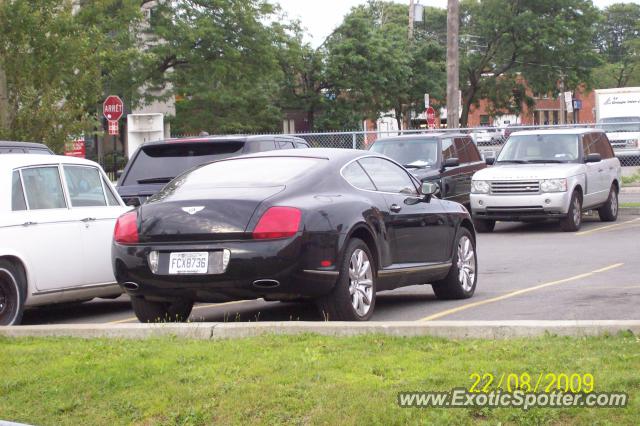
point(57, 216)
point(543, 174)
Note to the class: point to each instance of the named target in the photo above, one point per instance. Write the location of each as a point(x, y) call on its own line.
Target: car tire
point(12, 293)
point(573, 220)
point(484, 225)
point(609, 212)
point(356, 286)
point(461, 281)
point(150, 311)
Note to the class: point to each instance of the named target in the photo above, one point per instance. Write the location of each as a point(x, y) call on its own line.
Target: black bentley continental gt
point(332, 225)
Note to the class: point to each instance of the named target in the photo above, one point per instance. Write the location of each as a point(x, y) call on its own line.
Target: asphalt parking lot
point(527, 272)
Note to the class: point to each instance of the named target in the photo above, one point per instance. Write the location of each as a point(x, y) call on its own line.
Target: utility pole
point(411, 18)
point(405, 108)
point(4, 95)
point(453, 23)
point(562, 107)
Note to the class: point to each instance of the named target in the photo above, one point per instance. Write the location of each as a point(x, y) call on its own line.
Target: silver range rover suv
point(542, 174)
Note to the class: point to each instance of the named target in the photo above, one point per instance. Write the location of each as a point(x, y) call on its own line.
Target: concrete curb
point(446, 329)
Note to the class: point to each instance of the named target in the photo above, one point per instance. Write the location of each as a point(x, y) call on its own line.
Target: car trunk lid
point(223, 215)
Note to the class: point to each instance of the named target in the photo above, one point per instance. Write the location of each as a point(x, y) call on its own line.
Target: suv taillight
point(278, 222)
point(126, 230)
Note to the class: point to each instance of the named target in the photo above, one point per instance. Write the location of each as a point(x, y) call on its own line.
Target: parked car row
point(219, 219)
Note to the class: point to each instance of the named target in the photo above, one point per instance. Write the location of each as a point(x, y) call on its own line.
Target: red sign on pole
point(431, 117)
point(112, 109)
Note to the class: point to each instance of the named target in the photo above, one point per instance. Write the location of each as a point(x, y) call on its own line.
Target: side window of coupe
point(355, 175)
point(448, 149)
point(387, 176)
point(17, 194)
point(85, 186)
point(43, 188)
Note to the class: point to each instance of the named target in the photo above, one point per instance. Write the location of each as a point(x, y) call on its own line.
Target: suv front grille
point(515, 187)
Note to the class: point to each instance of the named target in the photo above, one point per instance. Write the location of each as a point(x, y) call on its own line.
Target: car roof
point(223, 138)
point(322, 153)
point(23, 144)
point(421, 136)
point(577, 131)
point(13, 161)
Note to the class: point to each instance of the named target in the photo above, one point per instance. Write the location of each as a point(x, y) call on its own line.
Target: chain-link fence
point(624, 138)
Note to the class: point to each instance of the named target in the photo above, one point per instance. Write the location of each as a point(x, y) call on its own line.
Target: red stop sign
point(431, 116)
point(112, 108)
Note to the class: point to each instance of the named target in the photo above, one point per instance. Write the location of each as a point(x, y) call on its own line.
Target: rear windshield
point(245, 173)
point(162, 163)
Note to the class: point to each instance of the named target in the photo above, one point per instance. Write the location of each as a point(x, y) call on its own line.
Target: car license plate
point(188, 263)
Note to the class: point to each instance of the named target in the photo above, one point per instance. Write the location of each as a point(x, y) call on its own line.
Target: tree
point(303, 82)
point(220, 58)
point(541, 41)
point(618, 41)
point(374, 68)
point(55, 62)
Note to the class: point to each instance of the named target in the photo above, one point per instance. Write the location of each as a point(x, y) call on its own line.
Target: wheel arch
point(363, 231)
point(21, 265)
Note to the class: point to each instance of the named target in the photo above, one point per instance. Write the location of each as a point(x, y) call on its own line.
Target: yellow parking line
point(602, 228)
point(194, 308)
point(517, 293)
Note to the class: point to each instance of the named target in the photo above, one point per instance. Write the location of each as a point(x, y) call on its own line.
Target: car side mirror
point(428, 190)
point(451, 162)
point(490, 161)
point(119, 174)
point(593, 158)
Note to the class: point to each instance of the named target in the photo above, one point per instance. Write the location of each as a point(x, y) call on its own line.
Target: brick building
point(545, 111)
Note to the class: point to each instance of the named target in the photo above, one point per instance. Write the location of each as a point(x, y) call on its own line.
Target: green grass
point(623, 205)
point(634, 178)
point(304, 379)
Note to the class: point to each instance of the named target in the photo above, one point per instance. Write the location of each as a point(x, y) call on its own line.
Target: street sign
point(568, 101)
point(113, 108)
point(426, 100)
point(431, 117)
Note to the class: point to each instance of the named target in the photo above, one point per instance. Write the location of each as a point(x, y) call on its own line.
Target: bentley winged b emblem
point(192, 210)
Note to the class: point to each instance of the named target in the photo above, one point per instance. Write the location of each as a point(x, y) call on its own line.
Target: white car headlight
point(480, 187)
point(553, 185)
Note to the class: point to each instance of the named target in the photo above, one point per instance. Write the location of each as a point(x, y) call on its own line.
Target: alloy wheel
point(614, 203)
point(360, 282)
point(577, 212)
point(466, 263)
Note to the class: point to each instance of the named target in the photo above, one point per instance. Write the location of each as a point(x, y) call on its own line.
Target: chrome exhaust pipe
point(266, 283)
point(131, 286)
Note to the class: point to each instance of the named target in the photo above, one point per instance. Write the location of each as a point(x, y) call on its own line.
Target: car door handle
point(29, 223)
point(88, 219)
point(600, 170)
point(395, 208)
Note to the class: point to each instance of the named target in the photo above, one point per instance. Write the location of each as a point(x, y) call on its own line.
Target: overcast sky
point(320, 17)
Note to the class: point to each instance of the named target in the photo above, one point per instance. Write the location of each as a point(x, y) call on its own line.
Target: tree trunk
point(311, 118)
point(4, 101)
point(466, 106)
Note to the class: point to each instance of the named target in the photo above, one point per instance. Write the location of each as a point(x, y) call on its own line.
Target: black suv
point(14, 147)
point(154, 164)
point(448, 159)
